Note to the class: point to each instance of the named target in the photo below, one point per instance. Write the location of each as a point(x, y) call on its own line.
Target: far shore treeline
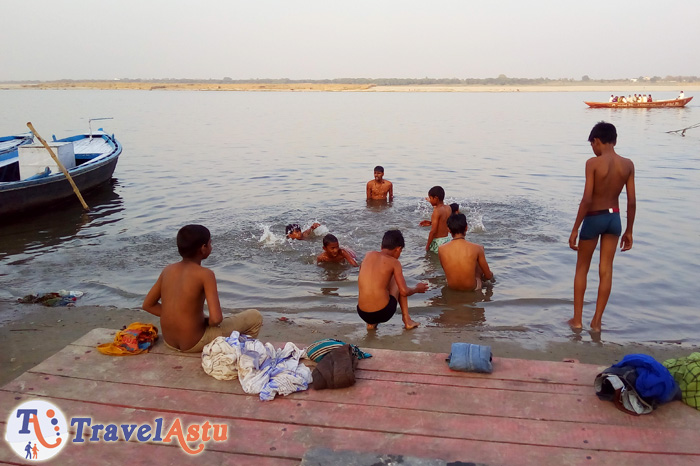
point(501, 80)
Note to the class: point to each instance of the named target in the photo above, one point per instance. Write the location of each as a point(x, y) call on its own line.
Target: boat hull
point(30, 196)
point(657, 104)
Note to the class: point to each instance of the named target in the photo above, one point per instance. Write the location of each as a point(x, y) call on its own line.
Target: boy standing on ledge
point(379, 188)
point(179, 293)
point(606, 174)
point(381, 284)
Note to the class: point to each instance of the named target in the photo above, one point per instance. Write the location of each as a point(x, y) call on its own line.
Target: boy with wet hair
point(293, 231)
point(464, 263)
point(599, 211)
point(438, 221)
point(332, 252)
point(381, 284)
point(379, 188)
point(179, 293)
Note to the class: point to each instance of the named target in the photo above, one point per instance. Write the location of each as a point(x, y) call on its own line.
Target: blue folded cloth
point(466, 357)
point(654, 382)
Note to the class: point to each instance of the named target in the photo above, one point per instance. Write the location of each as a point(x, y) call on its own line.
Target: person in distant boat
point(681, 95)
point(616, 99)
point(381, 284)
point(649, 99)
point(612, 98)
point(332, 252)
point(379, 188)
point(293, 231)
point(179, 293)
point(438, 221)
point(464, 263)
point(606, 175)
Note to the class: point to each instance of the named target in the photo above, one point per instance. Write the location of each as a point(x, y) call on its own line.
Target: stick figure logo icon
point(36, 430)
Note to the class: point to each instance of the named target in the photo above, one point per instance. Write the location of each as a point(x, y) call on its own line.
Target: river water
point(247, 163)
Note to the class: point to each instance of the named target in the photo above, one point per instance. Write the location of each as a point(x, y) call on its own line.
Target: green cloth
point(686, 371)
point(437, 242)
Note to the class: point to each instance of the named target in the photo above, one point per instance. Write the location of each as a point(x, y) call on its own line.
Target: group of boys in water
point(178, 295)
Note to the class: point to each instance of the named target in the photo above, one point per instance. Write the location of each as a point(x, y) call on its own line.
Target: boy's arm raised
point(151, 303)
point(348, 257)
point(585, 204)
point(211, 294)
point(626, 241)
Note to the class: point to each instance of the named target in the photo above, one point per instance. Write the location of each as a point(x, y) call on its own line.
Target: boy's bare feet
point(410, 325)
point(372, 326)
point(575, 325)
point(596, 326)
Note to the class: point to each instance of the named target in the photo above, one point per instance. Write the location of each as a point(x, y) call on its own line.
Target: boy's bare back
point(459, 259)
point(609, 173)
point(182, 288)
point(439, 220)
point(375, 274)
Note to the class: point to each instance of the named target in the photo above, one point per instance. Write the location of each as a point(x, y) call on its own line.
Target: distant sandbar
point(625, 87)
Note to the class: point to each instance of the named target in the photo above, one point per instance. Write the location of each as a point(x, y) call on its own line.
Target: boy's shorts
point(247, 322)
point(380, 316)
point(601, 224)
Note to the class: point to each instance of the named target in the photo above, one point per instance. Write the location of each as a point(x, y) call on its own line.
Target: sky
point(326, 39)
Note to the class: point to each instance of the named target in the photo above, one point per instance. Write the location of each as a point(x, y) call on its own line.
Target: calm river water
point(246, 164)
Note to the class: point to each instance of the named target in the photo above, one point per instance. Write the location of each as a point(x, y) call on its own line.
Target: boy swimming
point(332, 252)
point(438, 221)
point(606, 174)
point(293, 231)
point(464, 263)
point(381, 284)
point(179, 293)
point(379, 188)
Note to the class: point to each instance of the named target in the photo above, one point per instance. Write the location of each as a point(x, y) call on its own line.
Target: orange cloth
point(134, 339)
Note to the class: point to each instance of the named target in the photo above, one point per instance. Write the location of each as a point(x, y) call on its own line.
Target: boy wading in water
point(178, 298)
point(379, 188)
point(606, 174)
point(464, 263)
point(438, 221)
point(381, 284)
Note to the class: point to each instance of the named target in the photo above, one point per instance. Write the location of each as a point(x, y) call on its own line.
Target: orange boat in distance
point(654, 104)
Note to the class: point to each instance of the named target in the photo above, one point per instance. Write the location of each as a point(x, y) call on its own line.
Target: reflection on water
point(23, 237)
point(246, 164)
point(460, 307)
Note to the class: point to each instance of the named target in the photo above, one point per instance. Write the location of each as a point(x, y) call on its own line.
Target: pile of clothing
point(686, 372)
point(52, 299)
point(137, 338)
point(637, 385)
point(261, 368)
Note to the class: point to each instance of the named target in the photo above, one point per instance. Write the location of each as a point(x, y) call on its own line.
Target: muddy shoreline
point(30, 333)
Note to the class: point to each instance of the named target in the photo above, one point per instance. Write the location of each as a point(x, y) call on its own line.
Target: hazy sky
point(318, 39)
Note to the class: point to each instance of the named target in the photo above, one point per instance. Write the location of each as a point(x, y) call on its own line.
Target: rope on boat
point(683, 130)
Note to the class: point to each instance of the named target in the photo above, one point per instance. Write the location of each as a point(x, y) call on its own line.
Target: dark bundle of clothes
point(637, 384)
point(336, 369)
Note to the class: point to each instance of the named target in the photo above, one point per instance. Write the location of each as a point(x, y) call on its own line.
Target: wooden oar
point(60, 165)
